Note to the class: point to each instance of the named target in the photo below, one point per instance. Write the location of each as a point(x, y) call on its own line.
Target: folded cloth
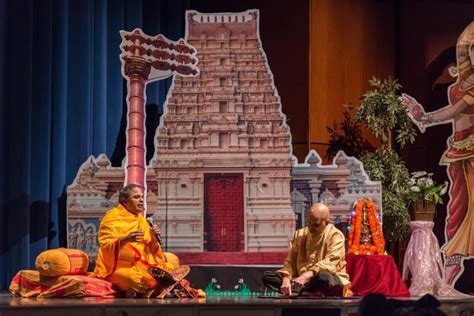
point(29, 283)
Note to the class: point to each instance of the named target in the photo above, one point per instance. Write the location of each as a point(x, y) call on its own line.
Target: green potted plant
point(382, 112)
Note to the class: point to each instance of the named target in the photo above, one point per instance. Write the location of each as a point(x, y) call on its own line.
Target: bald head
point(318, 218)
point(320, 210)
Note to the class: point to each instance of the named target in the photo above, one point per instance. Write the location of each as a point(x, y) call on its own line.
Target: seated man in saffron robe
point(128, 246)
point(315, 264)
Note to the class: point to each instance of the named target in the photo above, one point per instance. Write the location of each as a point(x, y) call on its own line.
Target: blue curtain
point(62, 99)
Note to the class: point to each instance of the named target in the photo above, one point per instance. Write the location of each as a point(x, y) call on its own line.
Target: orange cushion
point(62, 261)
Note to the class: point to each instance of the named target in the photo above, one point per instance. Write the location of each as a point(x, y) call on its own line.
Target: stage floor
point(211, 306)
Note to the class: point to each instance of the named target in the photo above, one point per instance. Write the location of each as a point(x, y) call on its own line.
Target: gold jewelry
point(467, 83)
point(465, 144)
point(428, 119)
point(465, 65)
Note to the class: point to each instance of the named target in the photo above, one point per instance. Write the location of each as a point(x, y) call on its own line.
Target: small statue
point(366, 236)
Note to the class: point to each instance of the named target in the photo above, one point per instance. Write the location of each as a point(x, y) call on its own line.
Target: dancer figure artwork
point(459, 156)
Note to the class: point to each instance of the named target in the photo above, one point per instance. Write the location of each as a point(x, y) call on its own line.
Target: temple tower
point(223, 150)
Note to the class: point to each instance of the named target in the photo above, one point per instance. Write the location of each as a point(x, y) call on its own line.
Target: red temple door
point(223, 212)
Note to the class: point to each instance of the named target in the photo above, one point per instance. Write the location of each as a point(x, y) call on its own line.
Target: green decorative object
point(242, 290)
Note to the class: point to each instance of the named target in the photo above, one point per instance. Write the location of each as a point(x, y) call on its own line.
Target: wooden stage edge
point(210, 306)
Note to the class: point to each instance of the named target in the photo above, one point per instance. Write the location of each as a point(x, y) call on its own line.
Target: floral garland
point(377, 244)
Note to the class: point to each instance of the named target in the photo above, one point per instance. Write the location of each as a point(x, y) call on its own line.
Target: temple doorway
point(223, 212)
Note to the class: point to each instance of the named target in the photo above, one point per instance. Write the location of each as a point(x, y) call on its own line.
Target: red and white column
point(137, 71)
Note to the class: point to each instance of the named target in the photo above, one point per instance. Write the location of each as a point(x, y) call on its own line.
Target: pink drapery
point(423, 260)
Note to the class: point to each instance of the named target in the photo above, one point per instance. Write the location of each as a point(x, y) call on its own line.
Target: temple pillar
point(137, 71)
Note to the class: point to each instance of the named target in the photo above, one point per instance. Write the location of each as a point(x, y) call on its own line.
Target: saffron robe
point(126, 266)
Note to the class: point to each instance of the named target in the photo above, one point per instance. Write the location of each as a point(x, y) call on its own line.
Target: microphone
point(150, 222)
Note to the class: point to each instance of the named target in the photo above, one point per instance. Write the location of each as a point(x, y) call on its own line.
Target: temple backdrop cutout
point(223, 183)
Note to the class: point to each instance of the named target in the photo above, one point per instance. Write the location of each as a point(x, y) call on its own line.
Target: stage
point(211, 306)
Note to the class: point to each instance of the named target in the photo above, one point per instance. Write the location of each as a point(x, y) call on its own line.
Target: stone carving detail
point(83, 236)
